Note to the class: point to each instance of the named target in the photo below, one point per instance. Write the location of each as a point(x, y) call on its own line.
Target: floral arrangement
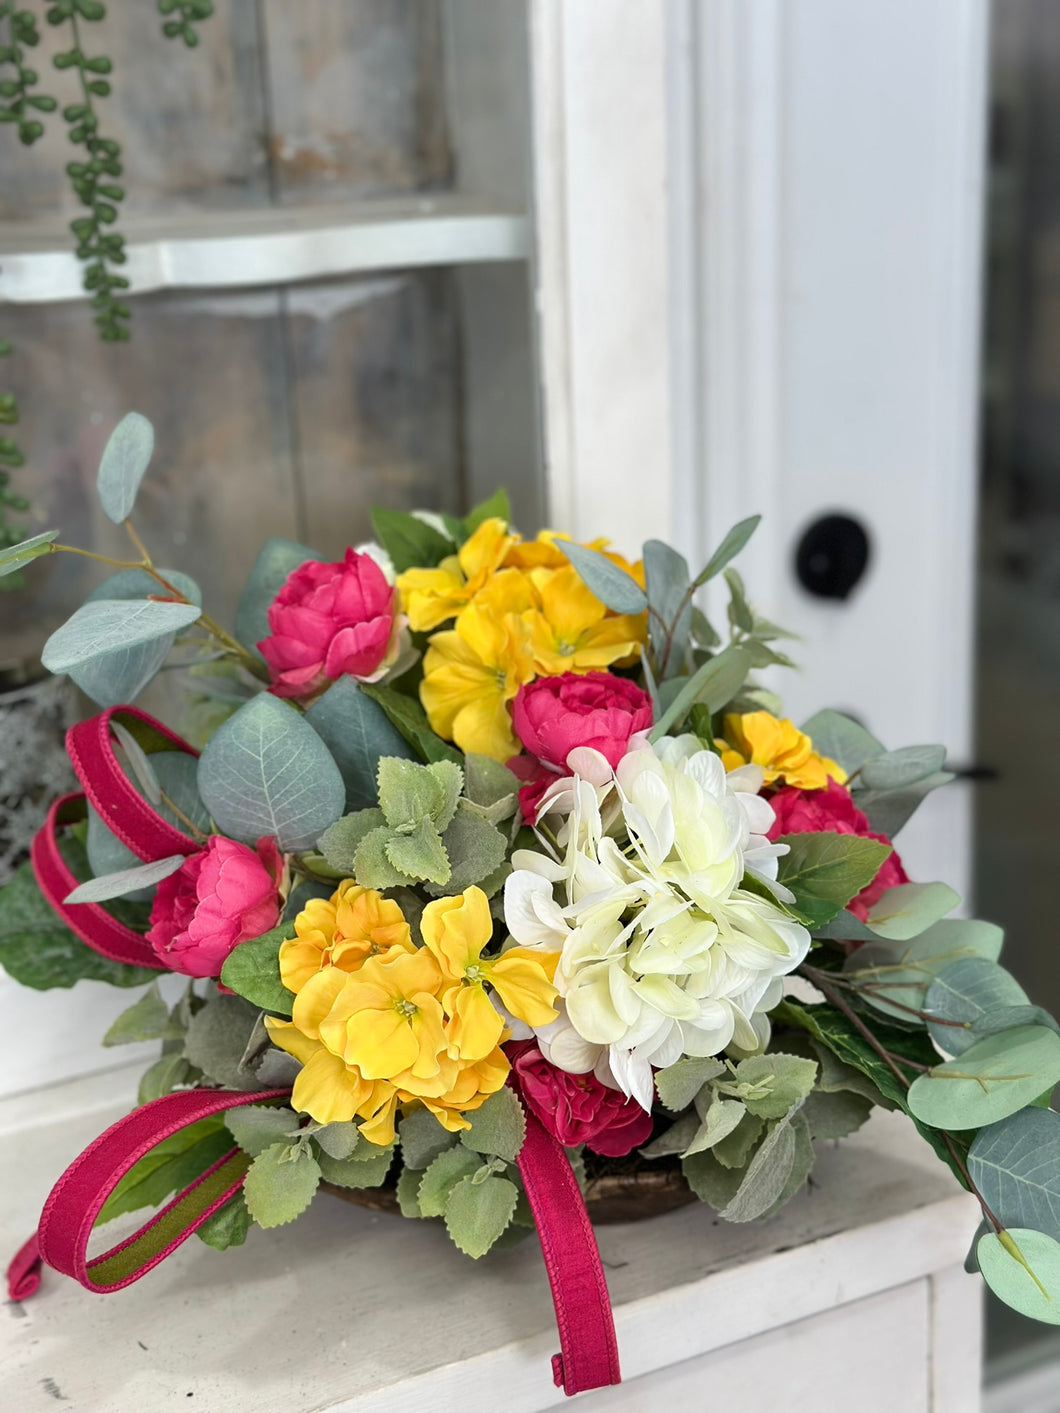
point(491, 836)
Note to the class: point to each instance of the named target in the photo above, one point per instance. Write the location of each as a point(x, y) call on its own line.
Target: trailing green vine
point(186, 13)
point(10, 457)
point(18, 101)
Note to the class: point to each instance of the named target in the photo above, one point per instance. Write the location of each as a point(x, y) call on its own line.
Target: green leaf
point(1022, 1268)
point(342, 1141)
point(801, 1167)
point(488, 782)
point(476, 1215)
point(711, 1181)
point(127, 880)
point(168, 1167)
point(767, 1174)
point(475, 848)
point(408, 1186)
point(217, 1040)
point(410, 792)
point(228, 1226)
point(835, 1114)
point(372, 866)
point(909, 909)
point(741, 615)
point(1015, 1164)
point(107, 854)
point(678, 1084)
point(256, 1127)
point(674, 1139)
point(340, 841)
point(497, 507)
point(497, 1128)
point(358, 1170)
point(734, 1150)
point(729, 548)
point(419, 854)
point(280, 1184)
point(777, 1082)
point(964, 993)
point(670, 622)
point(14, 557)
point(442, 1176)
point(357, 732)
point(714, 684)
point(423, 1138)
point(841, 739)
point(253, 970)
point(616, 589)
point(894, 977)
point(267, 772)
point(895, 770)
point(888, 811)
point(107, 624)
point(826, 870)
point(165, 1075)
point(276, 560)
point(145, 1019)
point(721, 1118)
point(1009, 1018)
point(994, 1077)
point(126, 457)
point(410, 719)
point(409, 541)
point(38, 950)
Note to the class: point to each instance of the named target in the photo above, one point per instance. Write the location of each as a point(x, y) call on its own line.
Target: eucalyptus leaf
point(477, 1214)
point(842, 739)
point(267, 772)
point(129, 880)
point(992, 1079)
point(280, 1184)
point(107, 624)
point(714, 684)
point(895, 770)
point(741, 615)
point(1015, 1164)
point(357, 732)
point(107, 853)
point(126, 457)
point(888, 811)
point(613, 586)
point(729, 548)
point(667, 582)
point(1022, 1268)
point(14, 557)
point(909, 909)
point(965, 993)
point(276, 560)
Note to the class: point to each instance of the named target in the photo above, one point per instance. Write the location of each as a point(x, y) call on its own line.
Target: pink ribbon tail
point(23, 1274)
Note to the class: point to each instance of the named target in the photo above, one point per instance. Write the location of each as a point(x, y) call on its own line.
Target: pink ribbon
point(89, 921)
point(588, 1355)
point(90, 745)
point(78, 1197)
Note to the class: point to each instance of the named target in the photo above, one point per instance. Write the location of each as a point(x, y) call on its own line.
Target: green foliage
point(888, 811)
point(714, 685)
point(256, 1127)
point(169, 1167)
point(772, 1085)
point(1015, 1164)
point(367, 1167)
point(497, 1128)
point(123, 464)
point(106, 625)
point(669, 606)
point(727, 551)
point(280, 1184)
point(842, 739)
point(16, 555)
point(825, 871)
point(166, 1074)
point(184, 15)
point(266, 771)
point(37, 948)
point(964, 994)
point(612, 585)
point(909, 909)
point(495, 507)
point(410, 719)
point(1022, 1268)
point(126, 881)
point(217, 1040)
point(228, 1226)
point(992, 1079)
point(409, 541)
point(894, 977)
point(253, 970)
point(145, 1019)
point(835, 1114)
point(411, 793)
point(19, 100)
point(441, 1177)
point(487, 782)
point(678, 1084)
point(475, 848)
point(895, 770)
point(720, 1119)
point(780, 1165)
point(423, 1138)
point(477, 1214)
point(276, 559)
point(358, 733)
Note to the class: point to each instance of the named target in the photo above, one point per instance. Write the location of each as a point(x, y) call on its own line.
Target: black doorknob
point(832, 556)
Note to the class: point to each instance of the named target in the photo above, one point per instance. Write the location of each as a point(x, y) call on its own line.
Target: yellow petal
point(524, 986)
point(456, 929)
point(381, 1044)
point(378, 1127)
point(288, 1037)
point(476, 1027)
point(326, 1090)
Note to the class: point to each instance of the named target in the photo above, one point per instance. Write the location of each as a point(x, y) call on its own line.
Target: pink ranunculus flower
point(553, 716)
point(221, 896)
point(577, 1108)
point(833, 811)
point(329, 621)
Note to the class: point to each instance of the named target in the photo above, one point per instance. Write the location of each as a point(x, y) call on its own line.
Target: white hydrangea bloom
point(662, 952)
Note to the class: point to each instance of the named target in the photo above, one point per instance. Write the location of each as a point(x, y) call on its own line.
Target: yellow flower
point(783, 751)
point(455, 930)
point(430, 596)
point(544, 553)
point(387, 1020)
point(471, 1087)
point(472, 671)
point(342, 931)
point(573, 631)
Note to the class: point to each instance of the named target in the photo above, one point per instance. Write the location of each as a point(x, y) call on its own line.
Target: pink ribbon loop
point(90, 745)
point(78, 1197)
point(588, 1355)
point(89, 921)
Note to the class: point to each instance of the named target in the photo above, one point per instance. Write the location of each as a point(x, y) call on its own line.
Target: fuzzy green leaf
point(488, 782)
point(372, 867)
point(423, 1138)
point(228, 1226)
point(342, 1140)
point(419, 854)
point(498, 1127)
point(217, 1040)
point(340, 842)
point(777, 1083)
point(475, 848)
point(477, 1214)
point(678, 1084)
point(256, 1127)
point(165, 1075)
point(145, 1019)
point(358, 1170)
point(835, 1114)
point(441, 1177)
point(721, 1118)
point(280, 1184)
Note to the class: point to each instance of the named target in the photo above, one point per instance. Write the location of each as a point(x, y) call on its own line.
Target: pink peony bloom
point(556, 715)
point(219, 897)
point(328, 621)
point(577, 1108)
point(833, 811)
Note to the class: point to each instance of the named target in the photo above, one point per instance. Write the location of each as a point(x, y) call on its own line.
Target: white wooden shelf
point(237, 249)
point(852, 1297)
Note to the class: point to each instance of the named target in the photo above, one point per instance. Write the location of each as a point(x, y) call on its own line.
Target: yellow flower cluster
point(521, 611)
point(785, 753)
point(379, 1023)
